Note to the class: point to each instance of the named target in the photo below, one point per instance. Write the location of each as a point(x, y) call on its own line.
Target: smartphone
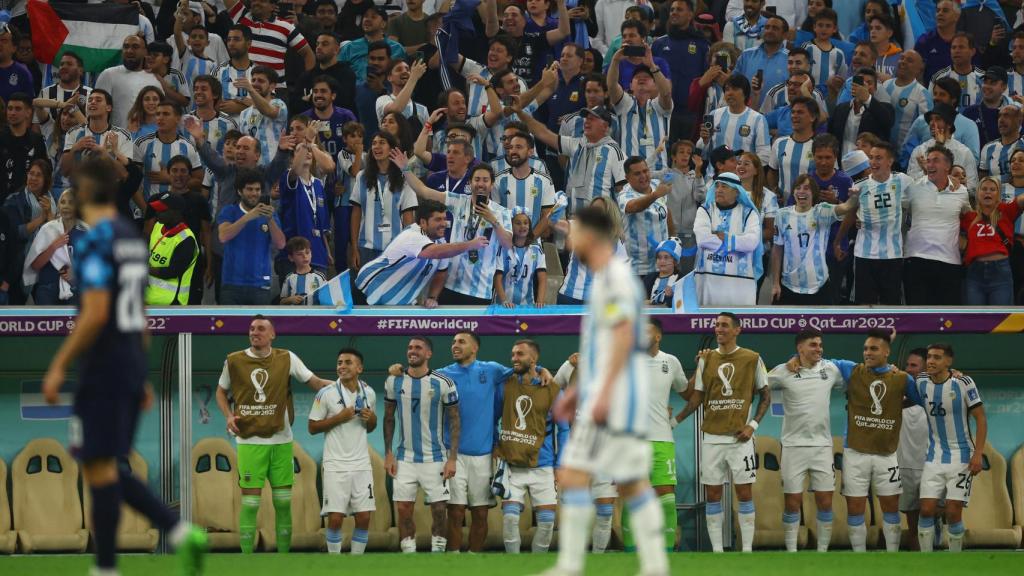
point(709, 121)
point(481, 200)
point(722, 60)
point(858, 80)
point(507, 101)
point(418, 56)
point(285, 9)
point(265, 199)
point(759, 75)
point(771, 10)
point(634, 51)
point(667, 177)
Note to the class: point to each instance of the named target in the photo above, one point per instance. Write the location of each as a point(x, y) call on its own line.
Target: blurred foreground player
point(609, 435)
point(111, 260)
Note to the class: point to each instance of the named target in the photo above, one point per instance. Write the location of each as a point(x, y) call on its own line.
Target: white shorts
point(348, 492)
point(471, 485)
point(413, 475)
point(539, 483)
point(601, 489)
point(949, 481)
point(863, 471)
point(615, 457)
point(909, 499)
point(799, 462)
point(719, 462)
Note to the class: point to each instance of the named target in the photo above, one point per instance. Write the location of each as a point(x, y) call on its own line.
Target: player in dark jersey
point(109, 343)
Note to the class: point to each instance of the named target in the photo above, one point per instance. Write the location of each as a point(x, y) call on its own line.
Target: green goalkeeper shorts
point(258, 463)
point(663, 466)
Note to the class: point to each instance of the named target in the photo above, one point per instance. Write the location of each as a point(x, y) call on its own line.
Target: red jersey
point(982, 238)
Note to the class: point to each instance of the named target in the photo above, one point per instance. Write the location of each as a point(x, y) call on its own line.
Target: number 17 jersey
point(113, 257)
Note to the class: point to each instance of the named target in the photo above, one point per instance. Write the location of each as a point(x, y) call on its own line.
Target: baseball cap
point(997, 73)
point(167, 201)
point(598, 111)
point(944, 111)
point(723, 153)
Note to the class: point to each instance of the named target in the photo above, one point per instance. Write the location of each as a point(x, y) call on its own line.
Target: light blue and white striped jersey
point(302, 284)
point(825, 63)
point(398, 275)
point(741, 225)
point(747, 131)
point(192, 66)
point(804, 240)
point(572, 125)
point(643, 128)
point(578, 278)
point(908, 101)
point(616, 297)
point(519, 266)
point(995, 157)
point(948, 404)
point(500, 164)
point(472, 272)
point(154, 154)
point(1008, 194)
point(1014, 83)
point(593, 171)
point(661, 283)
point(881, 216)
point(476, 97)
point(412, 109)
point(215, 129)
point(715, 98)
point(227, 74)
point(642, 227)
point(180, 84)
point(344, 162)
point(790, 159)
point(535, 193)
point(970, 84)
point(420, 411)
point(266, 130)
point(492, 136)
point(382, 210)
point(739, 32)
point(777, 98)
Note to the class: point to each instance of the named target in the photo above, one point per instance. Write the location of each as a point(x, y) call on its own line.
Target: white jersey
point(226, 74)
point(420, 411)
point(908, 101)
point(760, 381)
point(806, 397)
point(302, 284)
point(180, 84)
point(995, 157)
point(298, 371)
point(790, 159)
point(154, 155)
point(881, 216)
point(215, 130)
point(747, 131)
point(777, 97)
point(519, 266)
point(970, 84)
point(476, 97)
point(826, 63)
point(266, 130)
point(616, 296)
point(193, 66)
point(1014, 83)
point(535, 193)
point(913, 447)
point(594, 169)
point(642, 228)
point(411, 110)
point(643, 128)
point(472, 272)
point(382, 210)
point(948, 404)
point(665, 375)
point(398, 275)
point(500, 164)
point(345, 446)
point(804, 240)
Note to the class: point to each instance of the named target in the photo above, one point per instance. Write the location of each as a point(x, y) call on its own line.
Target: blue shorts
point(103, 426)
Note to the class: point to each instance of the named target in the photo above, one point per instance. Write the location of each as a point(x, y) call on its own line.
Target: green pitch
point(614, 564)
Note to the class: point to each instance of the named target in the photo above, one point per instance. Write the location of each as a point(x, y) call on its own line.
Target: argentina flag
point(337, 292)
point(684, 295)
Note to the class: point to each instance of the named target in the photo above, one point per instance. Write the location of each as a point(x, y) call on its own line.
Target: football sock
point(106, 512)
point(438, 544)
point(926, 533)
point(333, 541)
point(824, 529)
point(747, 524)
point(891, 529)
point(359, 540)
point(628, 543)
point(247, 522)
point(282, 498)
point(577, 508)
point(408, 545)
point(138, 496)
point(668, 511)
point(955, 531)
point(602, 527)
point(648, 528)
point(510, 527)
point(858, 532)
point(714, 519)
point(545, 528)
point(791, 529)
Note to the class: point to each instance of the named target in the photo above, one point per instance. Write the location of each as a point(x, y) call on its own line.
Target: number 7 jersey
point(948, 404)
point(112, 257)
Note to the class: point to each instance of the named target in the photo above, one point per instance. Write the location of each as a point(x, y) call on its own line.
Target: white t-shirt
point(760, 381)
point(665, 374)
point(913, 447)
point(806, 397)
point(298, 371)
point(345, 447)
point(124, 87)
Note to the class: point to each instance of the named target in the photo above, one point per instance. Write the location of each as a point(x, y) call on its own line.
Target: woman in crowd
point(48, 263)
point(751, 173)
point(142, 116)
point(27, 210)
point(986, 237)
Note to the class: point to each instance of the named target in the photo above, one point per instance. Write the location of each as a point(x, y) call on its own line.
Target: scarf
point(744, 203)
point(45, 236)
point(742, 27)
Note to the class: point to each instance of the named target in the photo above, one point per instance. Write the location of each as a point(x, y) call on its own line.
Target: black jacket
point(878, 119)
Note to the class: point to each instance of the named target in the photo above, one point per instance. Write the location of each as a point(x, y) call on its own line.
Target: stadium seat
point(134, 533)
point(47, 507)
point(216, 499)
point(305, 508)
point(1017, 484)
point(768, 498)
point(989, 517)
point(8, 537)
point(840, 533)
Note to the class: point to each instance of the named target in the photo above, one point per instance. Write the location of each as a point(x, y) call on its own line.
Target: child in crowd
point(827, 59)
point(304, 281)
point(521, 278)
point(659, 283)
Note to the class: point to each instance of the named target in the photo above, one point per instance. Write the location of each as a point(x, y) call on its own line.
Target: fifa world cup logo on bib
point(726, 372)
point(259, 379)
point(877, 390)
point(523, 406)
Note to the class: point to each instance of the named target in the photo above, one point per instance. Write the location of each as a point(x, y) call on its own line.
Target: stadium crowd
point(810, 152)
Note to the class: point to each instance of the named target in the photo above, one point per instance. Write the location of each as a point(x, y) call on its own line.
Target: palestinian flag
point(92, 31)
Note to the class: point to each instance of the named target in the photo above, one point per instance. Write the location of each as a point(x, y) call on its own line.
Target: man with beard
point(985, 113)
point(500, 164)
point(403, 78)
point(124, 82)
point(267, 119)
point(271, 36)
point(535, 46)
point(327, 64)
point(499, 57)
point(235, 99)
point(686, 51)
point(331, 116)
point(995, 156)
point(770, 58)
point(67, 91)
point(522, 186)
point(247, 230)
